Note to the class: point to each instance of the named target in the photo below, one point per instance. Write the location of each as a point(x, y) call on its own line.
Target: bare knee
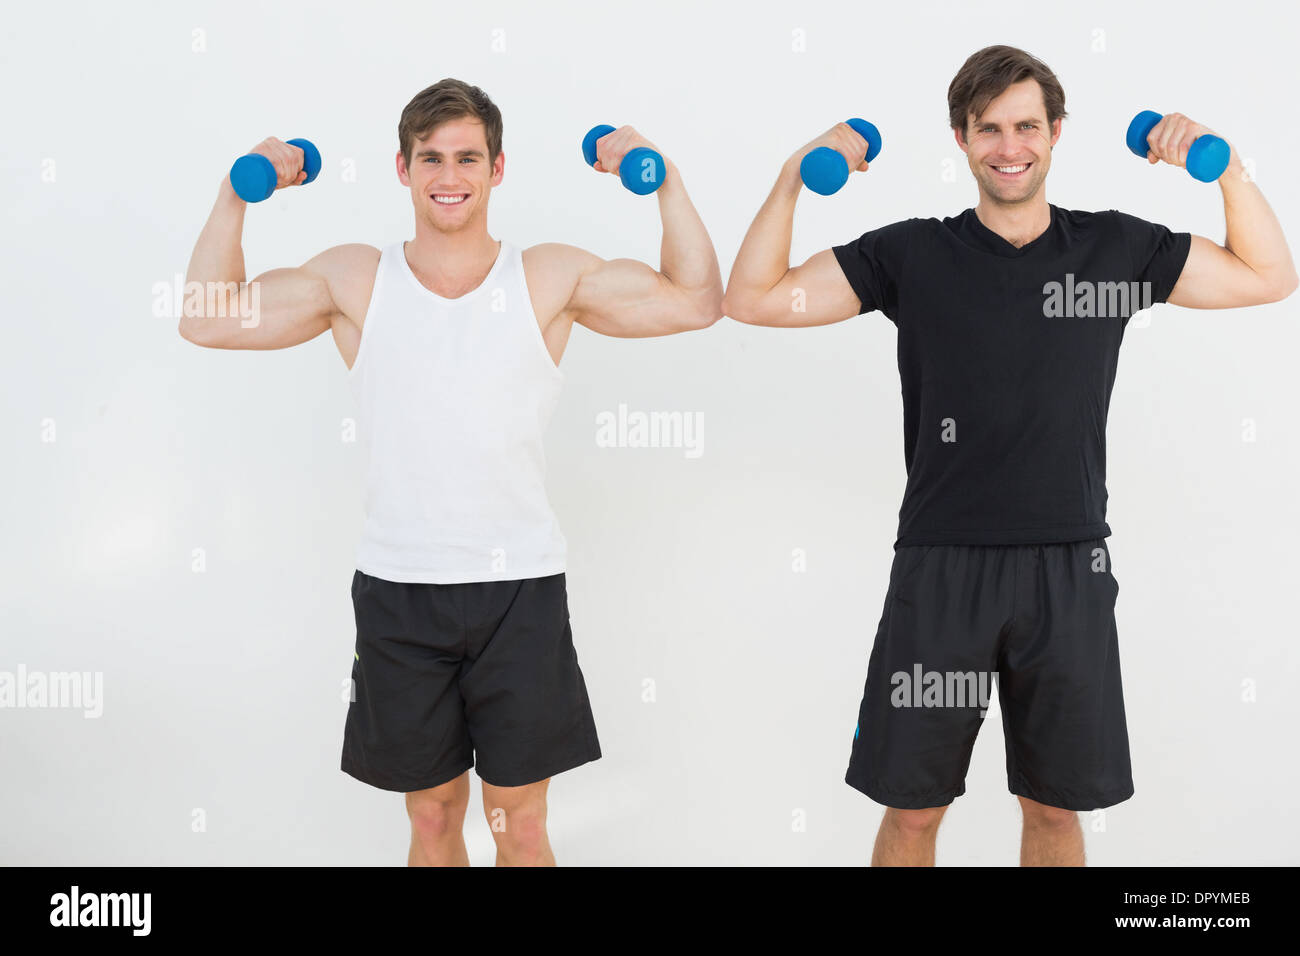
point(521, 826)
point(1048, 817)
point(438, 811)
point(915, 822)
point(517, 818)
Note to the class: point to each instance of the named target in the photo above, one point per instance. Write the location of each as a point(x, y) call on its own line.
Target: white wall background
point(223, 690)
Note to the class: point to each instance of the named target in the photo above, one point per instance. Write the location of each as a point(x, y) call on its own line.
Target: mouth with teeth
point(450, 199)
point(1012, 173)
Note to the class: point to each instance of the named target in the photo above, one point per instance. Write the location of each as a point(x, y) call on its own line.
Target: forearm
point(1254, 234)
point(686, 254)
point(218, 256)
point(764, 256)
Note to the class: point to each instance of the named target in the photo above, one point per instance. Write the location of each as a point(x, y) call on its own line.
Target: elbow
point(705, 311)
point(712, 311)
point(736, 310)
point(191, 329)
point(1275, 290)
point(727, 307)
point(746, 313)
point(1285, 288)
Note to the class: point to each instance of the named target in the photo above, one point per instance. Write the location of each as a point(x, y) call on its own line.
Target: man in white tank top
point(453, 340)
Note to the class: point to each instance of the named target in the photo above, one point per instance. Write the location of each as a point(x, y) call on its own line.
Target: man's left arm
point(1254, 265)
point(627, 298)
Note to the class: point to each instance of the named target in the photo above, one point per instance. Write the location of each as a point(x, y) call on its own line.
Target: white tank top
point(454, 397)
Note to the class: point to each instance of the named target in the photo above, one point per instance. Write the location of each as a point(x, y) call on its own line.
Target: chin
point(998, 194)
point(450, 223)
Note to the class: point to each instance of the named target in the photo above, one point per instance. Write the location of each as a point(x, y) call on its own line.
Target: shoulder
point(349, 270)
point(559, 258)
point(552, 271)
point(906, 228)
point(1110, 224)
point(345, 261)
point(893, 239)
point(1103, 220)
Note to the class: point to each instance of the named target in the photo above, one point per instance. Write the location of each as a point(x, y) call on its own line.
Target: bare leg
point(437, 823)
point(517, 817)
point(1052, 836)
point(907, 837)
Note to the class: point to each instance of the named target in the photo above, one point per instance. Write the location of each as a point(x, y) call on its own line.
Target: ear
point(959, 135)
point(1056, 130)
point(403, 174)
point(499, 168)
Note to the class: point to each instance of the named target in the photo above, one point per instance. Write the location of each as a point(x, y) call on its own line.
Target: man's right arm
point(763, 289)
point(279, 308)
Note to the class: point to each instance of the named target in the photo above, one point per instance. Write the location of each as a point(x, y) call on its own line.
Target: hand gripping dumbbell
point(1207, 157)
point(642, 169)
point(824, 170)
point(253, 175)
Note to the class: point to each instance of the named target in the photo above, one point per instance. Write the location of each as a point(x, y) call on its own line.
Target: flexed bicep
point(626, 298)
point(1215, 278)
point(277, 309)
point(815, 293)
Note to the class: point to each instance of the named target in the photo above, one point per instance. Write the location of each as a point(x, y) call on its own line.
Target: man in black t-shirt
point(1010, 317)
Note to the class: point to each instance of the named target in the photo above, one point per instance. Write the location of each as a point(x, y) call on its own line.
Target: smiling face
point(1009, 147)
point(450, 177)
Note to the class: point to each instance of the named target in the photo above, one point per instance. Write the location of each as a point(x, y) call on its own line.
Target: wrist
point(790, 180)
point(1235, 166)
point(672, 178)
point(226, 195)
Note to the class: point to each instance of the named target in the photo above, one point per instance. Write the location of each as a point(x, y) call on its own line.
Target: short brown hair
point(448, 99)
point(987, 73)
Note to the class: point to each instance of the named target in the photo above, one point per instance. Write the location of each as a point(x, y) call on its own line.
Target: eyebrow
point(459, 152)
point(1030, 119)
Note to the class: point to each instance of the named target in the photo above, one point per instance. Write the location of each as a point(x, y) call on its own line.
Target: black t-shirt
point(1007, 358)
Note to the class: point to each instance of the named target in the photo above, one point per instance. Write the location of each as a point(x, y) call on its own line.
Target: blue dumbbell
point(254, 177)
point(1207, 157)
point(824, 170)
point(642, 169)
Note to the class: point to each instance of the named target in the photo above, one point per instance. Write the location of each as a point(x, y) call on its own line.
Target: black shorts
point(1042, 619)
point(447, 673)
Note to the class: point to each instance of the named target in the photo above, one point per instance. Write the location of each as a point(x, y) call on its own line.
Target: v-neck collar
point(986, 239)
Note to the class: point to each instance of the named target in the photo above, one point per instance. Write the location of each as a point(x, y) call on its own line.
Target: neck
point(1017, 223)
point(451, 255)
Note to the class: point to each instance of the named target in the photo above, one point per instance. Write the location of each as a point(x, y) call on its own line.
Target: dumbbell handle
point(641, 169)
point(1207, 157)
point(253, 175)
